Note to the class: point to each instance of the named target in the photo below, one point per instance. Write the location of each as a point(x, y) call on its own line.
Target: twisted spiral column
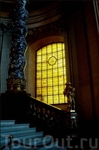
point(16, 80)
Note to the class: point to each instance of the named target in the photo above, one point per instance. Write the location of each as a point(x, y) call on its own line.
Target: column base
point(16, 85)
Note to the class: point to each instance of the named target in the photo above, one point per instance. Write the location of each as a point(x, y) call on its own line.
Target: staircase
point(23, 137)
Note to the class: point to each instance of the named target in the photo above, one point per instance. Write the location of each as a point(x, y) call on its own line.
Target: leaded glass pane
point(49, 66)
point(64, 79)
point(43, 58)
point(61, 98)
point(50, 99)
point(49, 49)
point(61, 89)
point(61, 80)
point(55, 54)
point(50, 73)
point(59, 46)
point(39, 83)
point(44, 99)
point(43, 50)
point(38, 91)
point(44, 66)
point(38, 66)
point(55, 66)
point(44, 91)
point(38, 59)
point(55, 81)
point(55, 72)
point(54, 47)
point(60, 63)
point(38, 74)
point(60, 54)
point(55, 90)
point(49, 56)
point(56, 99)
point(50, 82)
point(50, 91)
point(60, 71)
point(44, 82)
point(39, 52)
point(44, 74)
point(64, 62)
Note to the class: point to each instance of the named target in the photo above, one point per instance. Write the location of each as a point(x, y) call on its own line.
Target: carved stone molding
point(57, 28)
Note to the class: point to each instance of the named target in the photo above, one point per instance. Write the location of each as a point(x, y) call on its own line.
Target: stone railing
point(65, 123)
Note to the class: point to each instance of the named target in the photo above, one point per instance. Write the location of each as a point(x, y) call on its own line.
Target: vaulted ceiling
point(43, 10)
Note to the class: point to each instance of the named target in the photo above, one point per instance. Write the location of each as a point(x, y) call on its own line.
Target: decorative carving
point(19, 44)
point(16, 84)
point(69, 91)
point(56, 27)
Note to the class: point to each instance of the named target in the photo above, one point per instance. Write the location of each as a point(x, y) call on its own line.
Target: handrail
point(43, 103)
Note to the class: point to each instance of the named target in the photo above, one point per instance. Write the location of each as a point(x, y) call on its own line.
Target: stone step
point(17, 131)
point(21, 137)
point(15, 127)
point(22, 133)
point(7, 122)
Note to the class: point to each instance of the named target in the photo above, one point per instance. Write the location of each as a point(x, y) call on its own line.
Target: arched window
point(51, 73)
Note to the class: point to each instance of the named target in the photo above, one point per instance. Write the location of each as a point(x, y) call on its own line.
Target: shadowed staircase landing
point(23, 137)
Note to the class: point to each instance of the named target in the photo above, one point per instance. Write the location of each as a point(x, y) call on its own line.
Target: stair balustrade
point(60, 122)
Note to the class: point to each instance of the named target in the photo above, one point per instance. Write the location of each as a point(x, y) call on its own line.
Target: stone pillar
point(16, 81)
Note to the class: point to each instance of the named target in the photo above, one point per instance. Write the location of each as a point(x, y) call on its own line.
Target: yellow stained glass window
point(51, 73)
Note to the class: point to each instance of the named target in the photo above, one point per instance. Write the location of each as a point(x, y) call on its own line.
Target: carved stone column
point(16, 81)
